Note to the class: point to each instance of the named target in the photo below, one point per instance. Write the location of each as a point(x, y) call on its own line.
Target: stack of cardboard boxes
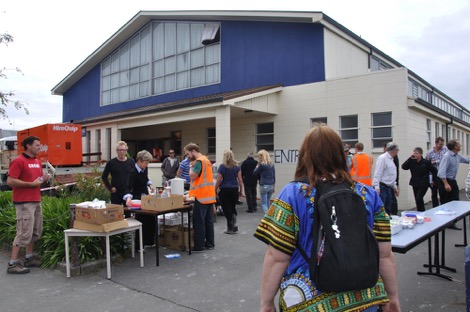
point(171, 233)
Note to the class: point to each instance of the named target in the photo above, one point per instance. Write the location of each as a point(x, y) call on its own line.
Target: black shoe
point(239, 202)
point(249, 211)
point(209, 247)
point(454, 227)
point(197, 250)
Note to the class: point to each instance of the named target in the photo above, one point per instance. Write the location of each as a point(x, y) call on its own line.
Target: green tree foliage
point(6, 97)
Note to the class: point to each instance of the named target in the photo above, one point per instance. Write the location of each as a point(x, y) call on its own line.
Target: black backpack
point(348, 252)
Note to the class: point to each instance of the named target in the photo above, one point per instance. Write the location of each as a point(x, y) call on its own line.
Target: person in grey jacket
point(267, 178)
point(169, 167)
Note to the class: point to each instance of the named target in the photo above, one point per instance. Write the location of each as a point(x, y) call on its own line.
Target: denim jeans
point(265, 192)
point(386, 196)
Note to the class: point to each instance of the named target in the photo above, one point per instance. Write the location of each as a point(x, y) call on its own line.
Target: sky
point(51, 38)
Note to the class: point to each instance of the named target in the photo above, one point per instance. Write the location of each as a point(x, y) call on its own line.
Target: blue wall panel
point(253, 54)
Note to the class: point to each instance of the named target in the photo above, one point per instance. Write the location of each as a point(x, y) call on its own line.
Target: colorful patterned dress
point(288, 222)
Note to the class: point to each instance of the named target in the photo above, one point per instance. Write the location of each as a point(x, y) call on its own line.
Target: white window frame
point(349, 133)
point(379, 141)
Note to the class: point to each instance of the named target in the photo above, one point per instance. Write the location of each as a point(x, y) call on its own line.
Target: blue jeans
point(203, 224)
point(265, 192)
point(386, 196)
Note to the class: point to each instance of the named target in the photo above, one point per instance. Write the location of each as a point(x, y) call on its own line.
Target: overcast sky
point(51, 38)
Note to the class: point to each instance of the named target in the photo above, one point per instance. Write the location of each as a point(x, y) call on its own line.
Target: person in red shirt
point(25, 176)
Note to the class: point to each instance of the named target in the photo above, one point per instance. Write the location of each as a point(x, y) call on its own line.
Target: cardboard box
point(173, 219)
point(106, 227)
point(177, 201)
point(153, 203)
point(111, 213)
point(176, 238)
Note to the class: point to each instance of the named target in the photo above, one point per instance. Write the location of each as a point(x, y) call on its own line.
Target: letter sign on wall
point(286, 156)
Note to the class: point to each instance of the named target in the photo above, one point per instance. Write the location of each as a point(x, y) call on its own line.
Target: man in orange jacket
point(361, 169)
point(203, 190)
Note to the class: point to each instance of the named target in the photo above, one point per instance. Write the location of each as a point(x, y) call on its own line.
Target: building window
point(88, 144)
point(317, 120)
point(436, 129)
point(376, 64)
point(211, 141)
point(381, 129)
point(162, 57)
point(444, 132)
point(428, 134)
point(98, 141)
point(265, 136)
point(467, 140)
point(348, 129)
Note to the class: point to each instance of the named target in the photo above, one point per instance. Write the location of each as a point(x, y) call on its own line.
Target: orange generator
point(61, 144)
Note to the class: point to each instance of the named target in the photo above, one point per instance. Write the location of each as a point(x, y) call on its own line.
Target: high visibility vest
point(202, 188)
point(362, 168)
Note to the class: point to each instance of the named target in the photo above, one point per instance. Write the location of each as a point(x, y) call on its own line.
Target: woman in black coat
point(423, 173)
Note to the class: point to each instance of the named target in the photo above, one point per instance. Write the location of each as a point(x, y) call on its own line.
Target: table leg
point(67, 256)
point(464, 234)
point(189, 232)
point(157, 242)
point(443, 254)
point(141, 249)
point(132, 244)
point(436, 264)
point(108, 258)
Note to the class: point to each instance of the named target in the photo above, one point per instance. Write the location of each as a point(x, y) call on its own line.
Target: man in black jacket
point(421, 170)
point(249, 181)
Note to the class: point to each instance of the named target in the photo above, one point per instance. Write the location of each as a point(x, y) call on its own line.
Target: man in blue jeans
point(385, 176)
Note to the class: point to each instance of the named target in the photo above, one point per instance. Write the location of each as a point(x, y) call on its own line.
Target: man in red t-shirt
point(25, 176)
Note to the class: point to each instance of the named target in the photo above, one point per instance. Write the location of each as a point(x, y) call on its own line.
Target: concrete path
point(224, 279)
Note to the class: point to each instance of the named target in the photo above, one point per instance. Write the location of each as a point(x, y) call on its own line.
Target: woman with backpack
point(289, 225)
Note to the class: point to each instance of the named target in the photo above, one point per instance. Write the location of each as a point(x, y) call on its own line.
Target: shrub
point(56, 215)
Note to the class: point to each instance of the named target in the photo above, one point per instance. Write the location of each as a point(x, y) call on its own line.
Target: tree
point(6, 96)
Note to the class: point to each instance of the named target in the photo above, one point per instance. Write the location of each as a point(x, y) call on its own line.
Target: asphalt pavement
point(224, 279)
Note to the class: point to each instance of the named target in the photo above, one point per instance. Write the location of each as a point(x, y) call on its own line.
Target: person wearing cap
point(385, 176)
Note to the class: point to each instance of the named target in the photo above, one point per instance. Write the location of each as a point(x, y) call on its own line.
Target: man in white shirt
point(385, 176)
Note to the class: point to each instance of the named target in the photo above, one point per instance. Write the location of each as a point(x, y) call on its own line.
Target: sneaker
point(34, 262)
point(208, 247)
point(17, 268)
point(197, 250)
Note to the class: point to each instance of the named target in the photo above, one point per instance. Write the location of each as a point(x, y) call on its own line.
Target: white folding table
point(132, 227)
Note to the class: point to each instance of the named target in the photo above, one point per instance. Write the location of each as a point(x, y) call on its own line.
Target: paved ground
point(224, 279)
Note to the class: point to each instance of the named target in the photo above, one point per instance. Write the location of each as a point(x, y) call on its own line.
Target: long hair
point(321, 157)
point(265, 159)
point(229, 159)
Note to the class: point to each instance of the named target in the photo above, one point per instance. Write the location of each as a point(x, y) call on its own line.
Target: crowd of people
point(286, 224)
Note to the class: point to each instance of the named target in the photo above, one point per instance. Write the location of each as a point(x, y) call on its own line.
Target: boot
point(235, 226)
point(229, 227)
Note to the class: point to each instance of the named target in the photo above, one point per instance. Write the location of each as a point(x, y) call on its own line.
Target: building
point(248, 80)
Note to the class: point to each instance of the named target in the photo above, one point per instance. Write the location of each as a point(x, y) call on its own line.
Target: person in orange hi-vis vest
point(203, 190)
point(361, 169)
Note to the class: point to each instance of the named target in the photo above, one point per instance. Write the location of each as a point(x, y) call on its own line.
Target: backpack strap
point(316, 232)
